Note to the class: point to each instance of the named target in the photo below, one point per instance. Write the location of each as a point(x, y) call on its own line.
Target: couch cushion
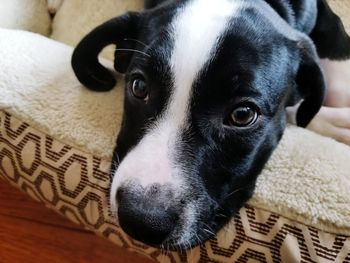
point(30, 15)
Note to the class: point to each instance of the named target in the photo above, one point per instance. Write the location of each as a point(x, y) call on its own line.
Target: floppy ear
point(329, 34)
point(310, 84)
point(85, 62)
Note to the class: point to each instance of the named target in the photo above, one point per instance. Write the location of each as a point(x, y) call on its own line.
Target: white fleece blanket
point(37, 82)
point(307, 179)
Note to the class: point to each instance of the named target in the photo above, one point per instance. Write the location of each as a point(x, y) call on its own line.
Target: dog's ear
point(310, 83)
point(329, 34)
point(85, 62)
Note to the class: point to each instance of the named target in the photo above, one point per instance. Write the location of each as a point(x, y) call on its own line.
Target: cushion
point(69, 28)
point(57, 139)
point(31, 15)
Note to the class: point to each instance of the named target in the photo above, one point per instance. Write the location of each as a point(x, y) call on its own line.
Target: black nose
point(146, 217)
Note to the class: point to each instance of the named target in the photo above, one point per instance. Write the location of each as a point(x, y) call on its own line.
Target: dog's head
point(207, 83)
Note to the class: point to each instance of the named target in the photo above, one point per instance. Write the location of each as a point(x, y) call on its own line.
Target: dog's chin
point(201, 232)
point(197, 238)
point(181, 244)
point(175, 245)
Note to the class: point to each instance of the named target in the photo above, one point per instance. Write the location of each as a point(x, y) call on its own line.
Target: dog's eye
point(139, 89)
point(243, 116)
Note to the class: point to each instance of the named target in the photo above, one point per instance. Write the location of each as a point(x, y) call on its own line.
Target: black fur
point(85, 57)
point(329, 34)
point(221, 162)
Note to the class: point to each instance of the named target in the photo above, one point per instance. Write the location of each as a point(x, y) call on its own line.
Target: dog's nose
point(146, 217)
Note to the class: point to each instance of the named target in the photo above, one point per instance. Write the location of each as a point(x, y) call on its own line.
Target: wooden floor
point(30, 233)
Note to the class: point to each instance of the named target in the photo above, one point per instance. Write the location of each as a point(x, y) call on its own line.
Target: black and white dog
point(207, 86)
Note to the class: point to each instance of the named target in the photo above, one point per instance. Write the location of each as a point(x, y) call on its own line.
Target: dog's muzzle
point(148, 215)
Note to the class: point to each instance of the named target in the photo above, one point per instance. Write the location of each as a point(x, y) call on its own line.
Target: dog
point(207, 87)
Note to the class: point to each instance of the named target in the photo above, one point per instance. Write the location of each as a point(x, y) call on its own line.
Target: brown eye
point(243, 116)
point(139, 89)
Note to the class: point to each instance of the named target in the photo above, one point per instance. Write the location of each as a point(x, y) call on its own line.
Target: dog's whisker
point(221, 215)
point(205, 224)
point(172, 244)
point(163, 249)
point(198, 238)
point(176, 245)
point(141, 58)
point(133, 50)
point(137, 41)
point(182, 248)
point(190, 247)
point(208, 231)
point(167, 249)
point(118, 158)
point(116, 162)
point(235, 191)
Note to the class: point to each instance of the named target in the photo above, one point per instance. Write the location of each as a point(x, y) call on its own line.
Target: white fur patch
point(196, 30)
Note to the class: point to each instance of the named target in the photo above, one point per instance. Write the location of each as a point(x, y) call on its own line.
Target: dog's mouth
point(187, 241)
point(183, 236)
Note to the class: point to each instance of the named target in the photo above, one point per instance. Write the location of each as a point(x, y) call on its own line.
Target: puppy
point(207, 86)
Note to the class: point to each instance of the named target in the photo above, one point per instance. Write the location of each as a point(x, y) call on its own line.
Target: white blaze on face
point(195, 30)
